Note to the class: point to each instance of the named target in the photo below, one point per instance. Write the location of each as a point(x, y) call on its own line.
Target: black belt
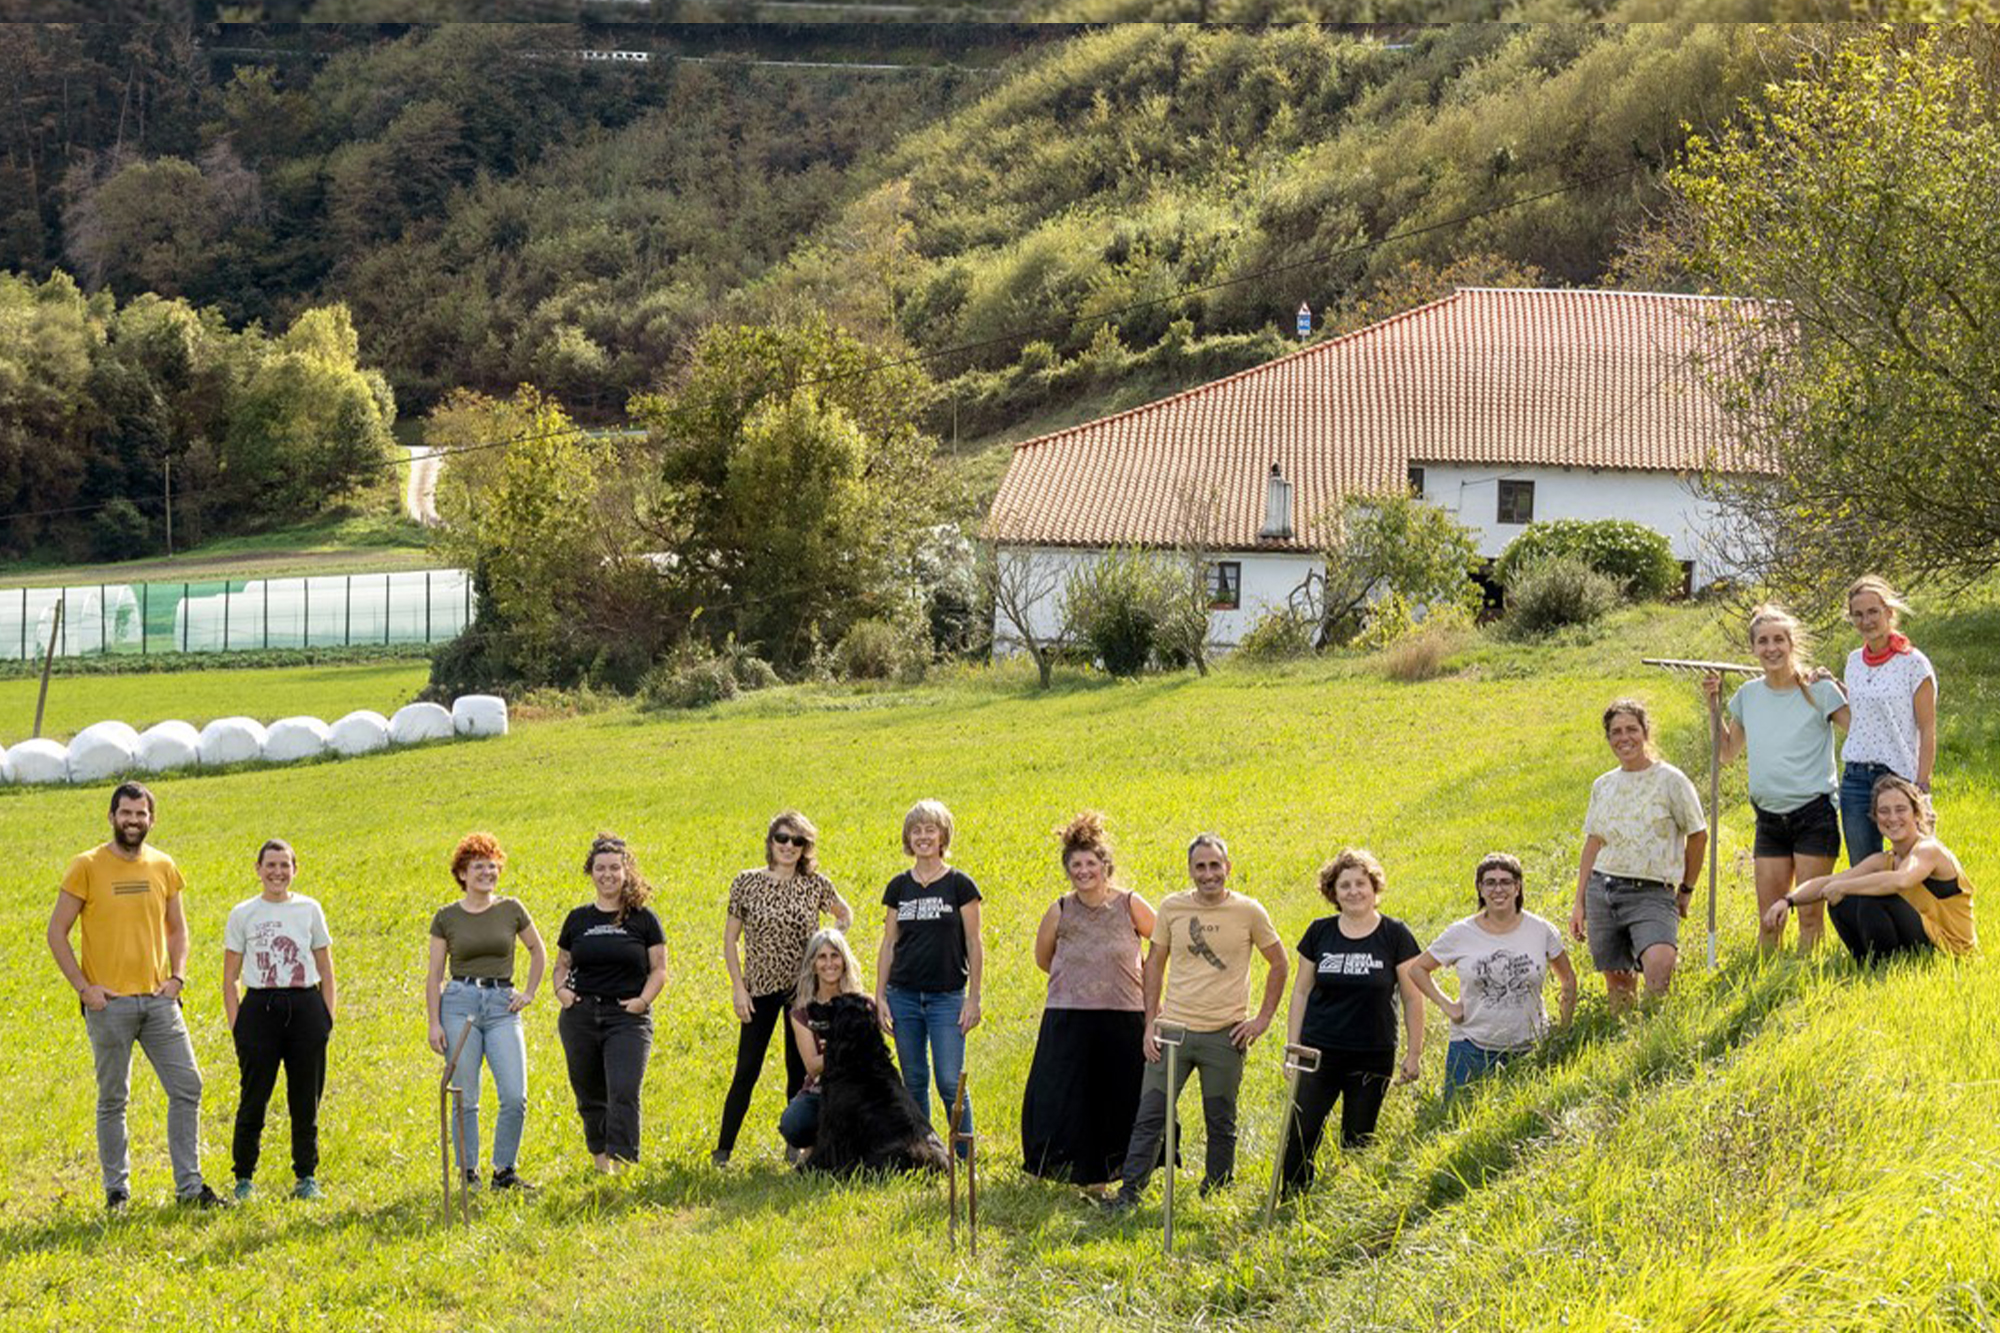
point(492, 983)
point(605, 999)
point(1637, 883)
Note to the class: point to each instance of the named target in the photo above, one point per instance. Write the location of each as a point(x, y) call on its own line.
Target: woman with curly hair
point(1083, 1086)
point(611, 961)
point(1344, 1006)
point(474, 938)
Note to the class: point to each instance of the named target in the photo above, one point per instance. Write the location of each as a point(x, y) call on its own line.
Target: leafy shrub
point(1549, 594)
point(692, 676)
point(1633, 556)
point(1385, 556)
point(1119, 604)
point(754, 673)
point(878, 650)
point(1278, 636)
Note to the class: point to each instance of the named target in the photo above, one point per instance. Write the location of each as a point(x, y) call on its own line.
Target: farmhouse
point(1502, 406)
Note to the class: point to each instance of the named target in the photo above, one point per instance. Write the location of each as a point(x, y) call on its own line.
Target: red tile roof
point(1532, 378)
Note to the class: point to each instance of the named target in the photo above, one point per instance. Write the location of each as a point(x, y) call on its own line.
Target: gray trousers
point(1221, 1066)
point(154, 1022)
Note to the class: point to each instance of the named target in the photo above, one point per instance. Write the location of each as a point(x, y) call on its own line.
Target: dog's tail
point(927, 1151)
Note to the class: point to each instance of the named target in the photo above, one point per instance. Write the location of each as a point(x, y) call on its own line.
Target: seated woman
point(1908, 899)
point(854, 1112)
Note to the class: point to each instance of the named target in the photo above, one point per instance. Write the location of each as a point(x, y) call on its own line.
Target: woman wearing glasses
point(773, 912)
point(1503, 955)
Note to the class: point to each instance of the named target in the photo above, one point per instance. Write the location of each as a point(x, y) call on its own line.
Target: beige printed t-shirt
point(1208, 969)
point(1645, 819)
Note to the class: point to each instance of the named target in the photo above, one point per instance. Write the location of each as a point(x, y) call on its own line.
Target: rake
point(1298, 1060)
point(451, 1099)
point(1171, 1035)
point(971, 1142)
point(1687, 667)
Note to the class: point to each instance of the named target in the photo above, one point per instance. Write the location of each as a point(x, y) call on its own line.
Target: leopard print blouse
point(779, 917)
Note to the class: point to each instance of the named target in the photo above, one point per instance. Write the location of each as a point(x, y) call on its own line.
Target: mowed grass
point(1782, 1146)
point(143, 698)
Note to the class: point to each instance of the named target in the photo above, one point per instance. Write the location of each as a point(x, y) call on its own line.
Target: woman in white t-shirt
point(276, 944)
point(1503, 956)
point(1892, 692)
point(1785, 721)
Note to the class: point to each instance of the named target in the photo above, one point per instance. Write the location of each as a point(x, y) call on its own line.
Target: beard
point(129, 839)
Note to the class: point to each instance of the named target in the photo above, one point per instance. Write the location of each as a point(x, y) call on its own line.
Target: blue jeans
point(930, 1017)
point(1465, 1061)
point(1857, 810)
point(495, 1038)
point(799, 1125)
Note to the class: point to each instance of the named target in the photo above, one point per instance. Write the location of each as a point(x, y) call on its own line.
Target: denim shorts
point(1811, 830)
point(1626, 917)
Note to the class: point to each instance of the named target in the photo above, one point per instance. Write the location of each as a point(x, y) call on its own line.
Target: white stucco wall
point(1268, 579)
point(1660, 500)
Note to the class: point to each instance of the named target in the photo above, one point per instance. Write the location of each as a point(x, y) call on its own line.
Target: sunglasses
point(791, 839)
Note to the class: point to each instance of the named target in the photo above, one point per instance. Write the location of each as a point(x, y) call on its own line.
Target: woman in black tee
point(611, 961)
point(1344, 1006)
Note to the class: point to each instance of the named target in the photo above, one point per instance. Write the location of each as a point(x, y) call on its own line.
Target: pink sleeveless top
point(1096, 964)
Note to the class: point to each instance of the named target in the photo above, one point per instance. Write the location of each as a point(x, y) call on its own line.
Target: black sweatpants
point(1358, 1080)
point(289, 1028)
point(766, 1012)
point(606, 1048)
point(1876, 929)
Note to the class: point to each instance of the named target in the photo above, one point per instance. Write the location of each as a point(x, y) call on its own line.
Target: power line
point(1004, 339)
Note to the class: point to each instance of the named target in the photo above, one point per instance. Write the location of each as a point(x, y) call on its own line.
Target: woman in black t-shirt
point(1344, 1005)
point(611, 961)
point(928, 969)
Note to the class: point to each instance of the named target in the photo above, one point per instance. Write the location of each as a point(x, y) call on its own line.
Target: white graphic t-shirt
point(1500, 979)
point(277, 940)
point(1882, 719)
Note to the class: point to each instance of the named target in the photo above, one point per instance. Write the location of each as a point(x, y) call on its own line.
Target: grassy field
point(383, 543)
point(1785, 1146)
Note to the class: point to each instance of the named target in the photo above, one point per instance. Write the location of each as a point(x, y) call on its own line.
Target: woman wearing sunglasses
point(773, 912)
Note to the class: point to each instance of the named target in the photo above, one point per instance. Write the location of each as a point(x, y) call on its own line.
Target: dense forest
point(1056, 220)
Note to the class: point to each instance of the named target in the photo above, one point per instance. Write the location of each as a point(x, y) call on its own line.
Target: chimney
point(1277, 508)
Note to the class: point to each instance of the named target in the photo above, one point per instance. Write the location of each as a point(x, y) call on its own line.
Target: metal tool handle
point(1301, 1059)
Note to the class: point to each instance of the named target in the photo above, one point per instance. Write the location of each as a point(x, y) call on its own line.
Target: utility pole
point(168, 464)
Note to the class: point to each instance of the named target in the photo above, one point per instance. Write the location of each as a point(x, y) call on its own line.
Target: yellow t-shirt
point(1948, 920)
point(124, 917)
point(1208, 970)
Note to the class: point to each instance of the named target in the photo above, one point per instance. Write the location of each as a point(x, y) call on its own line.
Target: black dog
point(867, 1119)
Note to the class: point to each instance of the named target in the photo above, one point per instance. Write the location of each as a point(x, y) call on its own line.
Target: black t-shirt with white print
point(1352, 1005)
point(930, 930)
point(607, 956)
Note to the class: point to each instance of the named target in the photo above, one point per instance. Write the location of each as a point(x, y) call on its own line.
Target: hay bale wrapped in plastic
point(479, 715)
point(39, 761)
point(231, 740)
point(361, 732)
point(291, 739)
point(103, 750)
point(420, 722)
point(6, 769)
point(166, 745)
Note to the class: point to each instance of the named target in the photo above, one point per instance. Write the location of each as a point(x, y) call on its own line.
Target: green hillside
point(1781, 1146)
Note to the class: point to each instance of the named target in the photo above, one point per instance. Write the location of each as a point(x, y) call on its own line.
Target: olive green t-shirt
point(481, 944)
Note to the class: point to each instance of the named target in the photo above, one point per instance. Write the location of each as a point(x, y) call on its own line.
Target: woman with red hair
point(476, 936)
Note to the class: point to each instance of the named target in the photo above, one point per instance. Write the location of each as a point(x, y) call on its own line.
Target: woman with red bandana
point(1892, 693)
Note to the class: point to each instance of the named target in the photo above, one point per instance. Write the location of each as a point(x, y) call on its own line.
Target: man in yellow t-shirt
point(1208, 935)
point(129, 981)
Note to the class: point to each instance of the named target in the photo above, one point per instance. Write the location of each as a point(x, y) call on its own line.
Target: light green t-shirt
point(1790, 742)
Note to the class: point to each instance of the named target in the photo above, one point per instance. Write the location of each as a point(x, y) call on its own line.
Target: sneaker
point(208, 1198)
point(243, 1188)
point(719, 1158)
point(506, 1179)
point(794, 1155)
point(307, 1188)
point(471, 1177)
point(1119, 1203)
point(116, 1201)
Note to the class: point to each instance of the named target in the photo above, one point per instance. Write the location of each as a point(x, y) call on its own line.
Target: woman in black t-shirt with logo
point(1344, 1005)
point(928, 969)
point(611, 961)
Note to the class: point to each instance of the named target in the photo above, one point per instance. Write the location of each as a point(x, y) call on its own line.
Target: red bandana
point(1897, 644)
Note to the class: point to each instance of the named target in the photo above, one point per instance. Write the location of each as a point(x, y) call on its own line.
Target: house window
point(1225, 585)
point(1517, 502)
point(1416, 481)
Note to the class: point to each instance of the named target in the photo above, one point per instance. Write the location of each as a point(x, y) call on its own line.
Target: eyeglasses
point(791, 839)
point(1499, 882)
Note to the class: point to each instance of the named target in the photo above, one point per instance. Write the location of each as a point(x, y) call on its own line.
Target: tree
point(1029, 610)
point(310, 426)
point(1860, 199)
point(1395, 546)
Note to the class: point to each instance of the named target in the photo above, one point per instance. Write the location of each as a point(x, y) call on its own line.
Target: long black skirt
point(1082, 1094)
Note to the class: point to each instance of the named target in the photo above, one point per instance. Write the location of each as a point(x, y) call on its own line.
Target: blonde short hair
point(928, 811)
point(1878, 585)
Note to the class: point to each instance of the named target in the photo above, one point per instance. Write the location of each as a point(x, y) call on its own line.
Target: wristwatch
point(1687, 889)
